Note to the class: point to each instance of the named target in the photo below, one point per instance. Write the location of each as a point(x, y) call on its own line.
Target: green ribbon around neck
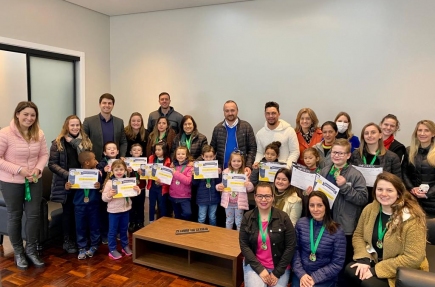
point(373, 160)
point(381, 233)
point(335, 171)
point(313, 246)
point(263, 232)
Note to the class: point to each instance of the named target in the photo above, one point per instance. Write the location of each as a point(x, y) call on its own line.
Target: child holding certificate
point(118, 209)
point(158, 192)
point(180, 189)
point(110, 153)
point(207, 196)
point(352, 195)
point(235, 202)
point(271, 154)
point(86, 202)
point(138, 202)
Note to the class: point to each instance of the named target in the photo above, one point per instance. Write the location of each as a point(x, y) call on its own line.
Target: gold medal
point(208, 185)
point(379, 244)
point(86, 199)
point(264, 246)
point(177, 182)
point(313, 257)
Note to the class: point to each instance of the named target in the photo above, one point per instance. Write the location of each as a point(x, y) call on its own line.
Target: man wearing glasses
point(233, 134)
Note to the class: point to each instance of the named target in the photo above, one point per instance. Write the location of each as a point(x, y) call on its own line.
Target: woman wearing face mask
point(344, 125)
point(307, 131)
point(373, 152)
point(329, 131)
point(419, 166)
point(389, 126)
point(64, 154)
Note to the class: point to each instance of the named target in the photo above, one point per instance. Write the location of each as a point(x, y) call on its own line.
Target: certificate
point(124, 187)
point(205, 169)
point(370, 172)
point(327, 187)
point(109, 163)
point(83, 178)
point(302, 177)
point(135, 162)
point(234, 182)
point(268, 170)
point(145, 170)
point(161, 172)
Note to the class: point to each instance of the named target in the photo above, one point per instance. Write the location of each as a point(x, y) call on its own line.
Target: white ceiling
point(123, 7)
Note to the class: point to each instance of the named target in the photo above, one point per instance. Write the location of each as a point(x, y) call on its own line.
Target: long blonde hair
point(348, 132)
point(415, 143)
point(129, 130)
point(33, 131)
point(381, 147)
point(86, 142)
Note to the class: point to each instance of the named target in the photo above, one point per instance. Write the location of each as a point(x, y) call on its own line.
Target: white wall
point(368, 58)
point(61, 24)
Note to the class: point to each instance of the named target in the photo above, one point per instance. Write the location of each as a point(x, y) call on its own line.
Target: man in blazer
point(105, 127)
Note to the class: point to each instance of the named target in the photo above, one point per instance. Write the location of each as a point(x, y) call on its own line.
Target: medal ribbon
point(27, 196)
point(86, 192)
point(263, 232)
point(381, 232)
point(335, 171)
point(313, 245)
point(373, 160)
point(208, 180)
point(188, 141)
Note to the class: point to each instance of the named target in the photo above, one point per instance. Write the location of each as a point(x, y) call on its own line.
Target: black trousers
point(13, 194)
point(68, 217)
point(353, 280)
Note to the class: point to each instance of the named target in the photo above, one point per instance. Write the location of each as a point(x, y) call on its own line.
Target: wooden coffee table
point(212, 256)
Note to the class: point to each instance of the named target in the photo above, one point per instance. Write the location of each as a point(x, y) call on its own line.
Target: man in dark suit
point(104, 127)
point(101, 129)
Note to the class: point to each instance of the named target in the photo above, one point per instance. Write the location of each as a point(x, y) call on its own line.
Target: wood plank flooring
point(63, 269)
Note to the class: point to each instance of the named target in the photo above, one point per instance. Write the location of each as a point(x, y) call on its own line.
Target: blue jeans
point(252, 279)
point(181, 208)
point(118, 223)
point(296, 282)
point(202, 213)
point(87, 222)
point(156, 196)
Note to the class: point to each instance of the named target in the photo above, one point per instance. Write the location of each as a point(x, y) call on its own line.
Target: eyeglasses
point(336, 153)
point(264, 196)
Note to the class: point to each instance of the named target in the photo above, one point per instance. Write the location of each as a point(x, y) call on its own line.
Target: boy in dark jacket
point(86, 203)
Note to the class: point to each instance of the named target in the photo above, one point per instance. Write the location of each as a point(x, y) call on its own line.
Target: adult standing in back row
point(233, 134)
point(276, 129)
point(165, 110)
point(105, 127)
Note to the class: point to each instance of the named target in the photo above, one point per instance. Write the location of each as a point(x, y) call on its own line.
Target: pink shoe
point(115, 254)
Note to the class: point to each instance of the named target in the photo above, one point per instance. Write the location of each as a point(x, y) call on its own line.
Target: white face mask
point(342, 127)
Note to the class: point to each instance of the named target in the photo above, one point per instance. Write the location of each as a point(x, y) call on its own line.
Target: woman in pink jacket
point(23, 155)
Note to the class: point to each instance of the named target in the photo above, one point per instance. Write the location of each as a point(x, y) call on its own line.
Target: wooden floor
point(63, 269)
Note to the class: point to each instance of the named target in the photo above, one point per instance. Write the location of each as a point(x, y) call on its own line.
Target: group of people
point(285, 228)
